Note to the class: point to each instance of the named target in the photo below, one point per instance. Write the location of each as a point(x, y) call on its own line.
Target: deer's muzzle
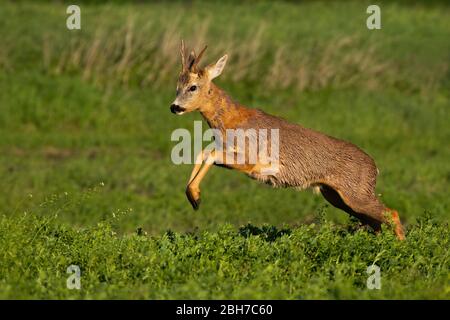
point(174, 108)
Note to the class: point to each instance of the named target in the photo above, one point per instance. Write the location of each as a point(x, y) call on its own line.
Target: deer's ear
point(214, 70)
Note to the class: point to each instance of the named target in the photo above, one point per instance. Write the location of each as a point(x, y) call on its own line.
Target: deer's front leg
point(197, 165)
point(193, 187)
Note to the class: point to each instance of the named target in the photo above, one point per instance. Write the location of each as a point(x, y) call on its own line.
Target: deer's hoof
point(194, 198)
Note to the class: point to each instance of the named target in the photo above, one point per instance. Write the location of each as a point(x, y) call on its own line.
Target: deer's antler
point(197, 59)
point(183, 55)
point(192, 61)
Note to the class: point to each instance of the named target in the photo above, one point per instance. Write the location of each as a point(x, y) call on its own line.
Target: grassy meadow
point(87, 178)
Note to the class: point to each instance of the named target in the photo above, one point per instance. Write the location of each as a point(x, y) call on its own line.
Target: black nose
point(174, 108)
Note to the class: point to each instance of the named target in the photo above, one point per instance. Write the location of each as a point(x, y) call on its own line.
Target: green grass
point(87, 138)
point(309, 262)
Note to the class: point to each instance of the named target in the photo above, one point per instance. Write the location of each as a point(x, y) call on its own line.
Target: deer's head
point(193, 87)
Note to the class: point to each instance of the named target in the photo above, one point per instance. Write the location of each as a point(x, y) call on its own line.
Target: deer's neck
point(221, 112)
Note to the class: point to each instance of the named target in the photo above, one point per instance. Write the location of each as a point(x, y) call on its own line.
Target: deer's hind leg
point(367, 208)
point(369, 213)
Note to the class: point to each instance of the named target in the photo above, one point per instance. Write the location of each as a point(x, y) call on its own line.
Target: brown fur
point(345, 175)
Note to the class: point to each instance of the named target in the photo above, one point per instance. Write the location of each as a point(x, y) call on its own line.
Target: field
point(87, 178)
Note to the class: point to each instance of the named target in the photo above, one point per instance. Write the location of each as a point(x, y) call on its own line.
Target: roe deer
point(344, 174)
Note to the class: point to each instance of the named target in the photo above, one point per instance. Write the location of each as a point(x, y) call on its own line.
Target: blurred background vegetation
point(85, 123)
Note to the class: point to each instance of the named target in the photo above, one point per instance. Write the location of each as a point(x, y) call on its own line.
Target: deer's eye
point(193, 88)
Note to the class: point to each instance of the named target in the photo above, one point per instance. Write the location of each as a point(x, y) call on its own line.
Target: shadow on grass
point(268, 233)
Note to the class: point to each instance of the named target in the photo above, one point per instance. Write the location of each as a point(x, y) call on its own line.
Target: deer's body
point(344, 174)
